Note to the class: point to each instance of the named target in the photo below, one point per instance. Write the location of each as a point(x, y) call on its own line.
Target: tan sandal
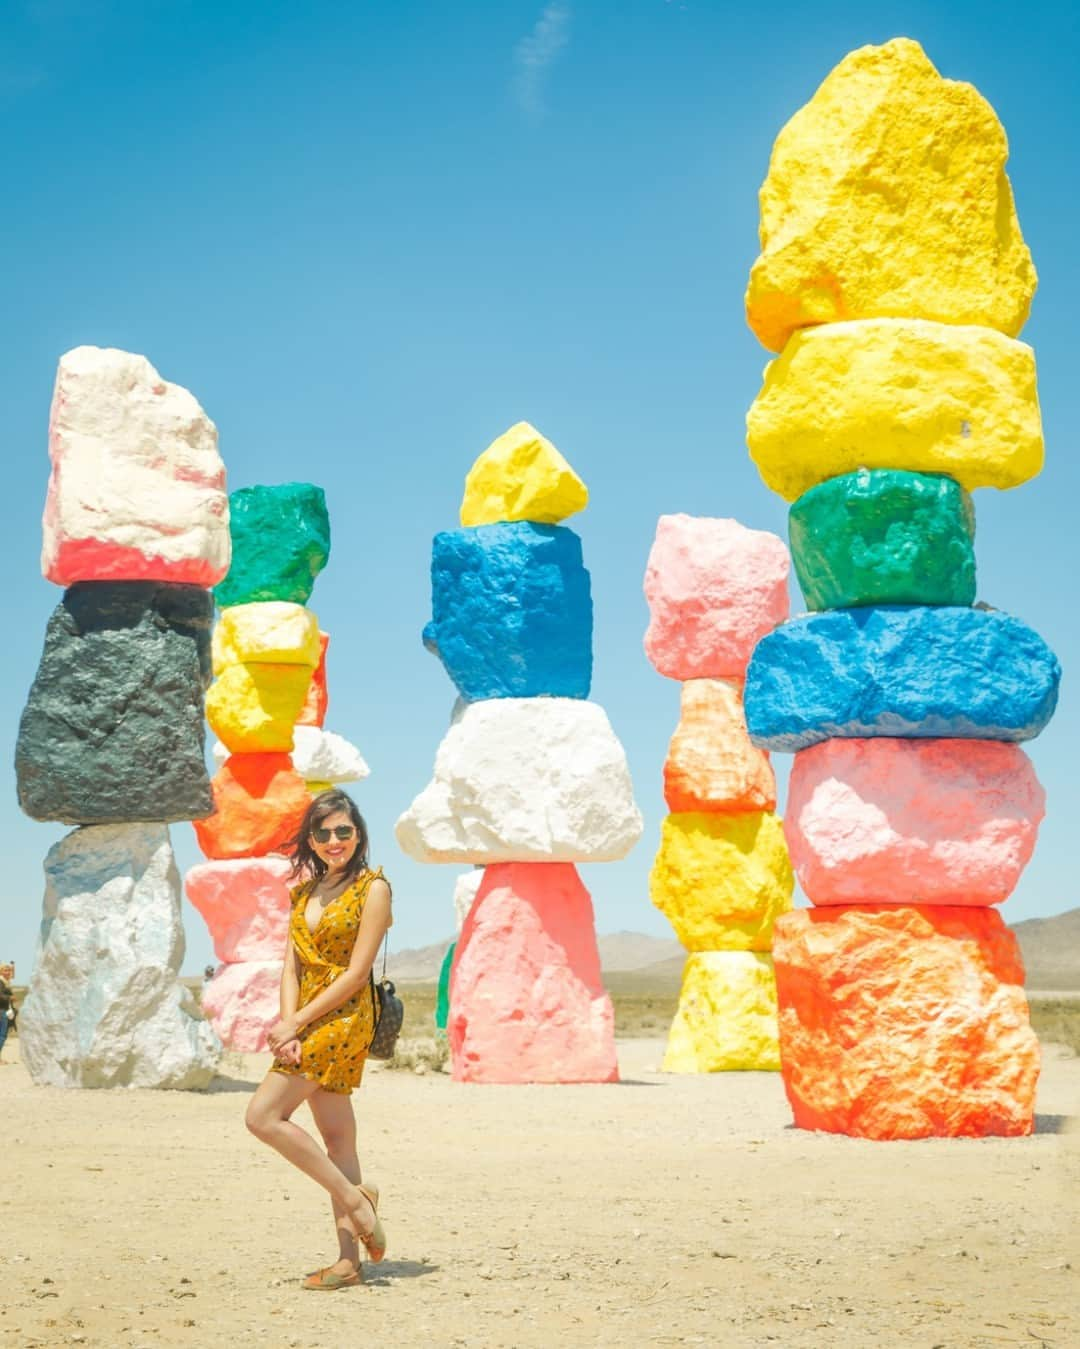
point(374, 1240)
point(329, 1281)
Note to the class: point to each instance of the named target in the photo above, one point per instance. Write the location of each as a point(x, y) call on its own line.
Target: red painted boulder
point(904, 1022)
point(242, 1002)
point(885, 821)
point(259, 803)
point(526, 999)
point(313, 713)
point(245, 903)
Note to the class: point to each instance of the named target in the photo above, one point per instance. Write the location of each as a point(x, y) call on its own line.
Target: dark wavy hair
point(306, 863)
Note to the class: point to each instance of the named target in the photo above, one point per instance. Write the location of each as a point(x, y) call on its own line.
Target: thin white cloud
point(534, 54)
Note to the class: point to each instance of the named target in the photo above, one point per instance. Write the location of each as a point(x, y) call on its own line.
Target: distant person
point(7, 1005)
point(340, 914)
point(208, 973)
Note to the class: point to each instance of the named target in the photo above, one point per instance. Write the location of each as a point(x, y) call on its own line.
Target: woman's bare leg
point(334, 1118)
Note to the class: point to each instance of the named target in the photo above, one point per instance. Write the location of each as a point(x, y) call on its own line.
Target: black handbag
point(389, 1013)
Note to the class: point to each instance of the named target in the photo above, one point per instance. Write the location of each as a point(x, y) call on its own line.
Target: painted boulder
point(527, 1001)
point(711, 763)
point(714, 589)
point(726, 1019)
point(321, 756)
point(137, 490)
point(259, 804)
point(253, 708)
point(521, 476)
point(521, 780)
point(113, 729)
point(941, 822)
point(883, 536)
point(901, 672)
point(271, 632)
point(905, 1022)
point(242, 1002)
point(317, 700)
point(511, 611)
point(246, 904)
point(280, 543)
point(466, 888)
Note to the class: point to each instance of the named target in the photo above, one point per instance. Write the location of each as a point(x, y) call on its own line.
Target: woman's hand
point(289, 1053)
point(281, 1033)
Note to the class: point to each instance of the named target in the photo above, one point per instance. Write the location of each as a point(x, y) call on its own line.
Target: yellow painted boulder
point(722, 880)
point(274, 632)
point(887, 196)
point(726, 1019)
point(317, 788)
point(897, 393)
point(253, 707)
point(521, 476)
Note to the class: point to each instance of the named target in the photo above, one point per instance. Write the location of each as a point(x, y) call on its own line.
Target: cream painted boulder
point(525, 780)
point(465, 891)
point(521, 476)
point(322, 756)
point(242, 1002)
point(714, 589)
point(527, 1002)
point(722, 880)
point(137, 490)
point(245, 902)
point(726, 1018)
point(711, 763)
point(897, 393)
point(887, 195)
point(912, 821)
point(106, 1007)
point(274, 632)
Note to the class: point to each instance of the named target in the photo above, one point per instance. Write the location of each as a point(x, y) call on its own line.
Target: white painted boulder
point(318, 756)
point(525, 780)
point(465, 890)
point(137, 490)
point(105, 1006)
point(245, 902)
point(243, 1002)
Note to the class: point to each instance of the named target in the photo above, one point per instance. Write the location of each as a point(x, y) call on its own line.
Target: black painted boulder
point(113, 730)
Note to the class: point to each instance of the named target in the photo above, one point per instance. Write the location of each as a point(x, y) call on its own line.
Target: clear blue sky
point(369, 237)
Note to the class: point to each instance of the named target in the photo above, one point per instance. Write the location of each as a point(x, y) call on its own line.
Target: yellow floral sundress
point(334, 1048)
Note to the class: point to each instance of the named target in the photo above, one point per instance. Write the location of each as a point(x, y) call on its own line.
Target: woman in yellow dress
point(340, 914)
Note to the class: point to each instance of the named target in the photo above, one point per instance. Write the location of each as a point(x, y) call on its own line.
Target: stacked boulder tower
point(136, 530)
point(893, 281)
point(722, 875)
point(529, 780)
point(267, 706)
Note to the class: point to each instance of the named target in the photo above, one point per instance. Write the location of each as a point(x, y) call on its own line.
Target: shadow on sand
point(389, 1271)
point(1057, 1124)
point(220, 1085)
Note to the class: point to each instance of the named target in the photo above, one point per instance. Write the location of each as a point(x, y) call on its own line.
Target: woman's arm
point(374, 921)
point(290, 981)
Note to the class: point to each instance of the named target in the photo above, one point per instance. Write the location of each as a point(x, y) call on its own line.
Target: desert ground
point(662, 1211)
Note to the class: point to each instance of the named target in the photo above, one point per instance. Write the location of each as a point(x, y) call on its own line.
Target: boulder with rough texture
point(912, 821)
point(711, 763)
point(253, 707)
point(907, 672)
point(442, 995)
point(259, 804)
point(722, 880)
point(511, 611)
point(317, 701)
point(905, 1022)
point(527, 1001)
point(884, 536)
point(887, 195)
point(321, 756)
point(271, 632)
point(897, 393)
point(521, 476)
point(525, 780)
point(280, 543)
point(137, 490)
point(726, 1018)
point(246, 904)
point(243, 1002)
point(714, 589)
point(466, 888)
point(113, 728)
point(106, 1007)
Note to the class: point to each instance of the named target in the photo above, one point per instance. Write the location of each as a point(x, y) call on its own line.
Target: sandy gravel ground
point(663, 1211)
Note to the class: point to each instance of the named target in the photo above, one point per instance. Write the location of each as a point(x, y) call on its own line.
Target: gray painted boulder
point(113, 729)
point(105, 1006)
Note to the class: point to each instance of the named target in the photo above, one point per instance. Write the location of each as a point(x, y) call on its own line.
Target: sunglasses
point(341, 832)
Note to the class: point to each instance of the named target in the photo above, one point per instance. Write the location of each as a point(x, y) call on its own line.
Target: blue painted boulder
point(512, 612)
point(910, 672)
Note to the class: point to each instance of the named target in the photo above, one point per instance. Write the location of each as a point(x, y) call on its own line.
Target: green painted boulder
point(280, 543)
point(442, 1001)
point(884, 536)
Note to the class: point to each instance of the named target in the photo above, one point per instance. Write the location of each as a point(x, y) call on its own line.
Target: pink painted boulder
point(137, 490)
point(245, 903)
point(242, 1002)
point(942, 822)
point(714, 588)
point(526, 999)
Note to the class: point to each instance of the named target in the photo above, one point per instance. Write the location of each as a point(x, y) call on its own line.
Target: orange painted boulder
point(527, 1003)
point(317, 700)
point(259, 802)
point(904, 1022)
point(711, 764)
